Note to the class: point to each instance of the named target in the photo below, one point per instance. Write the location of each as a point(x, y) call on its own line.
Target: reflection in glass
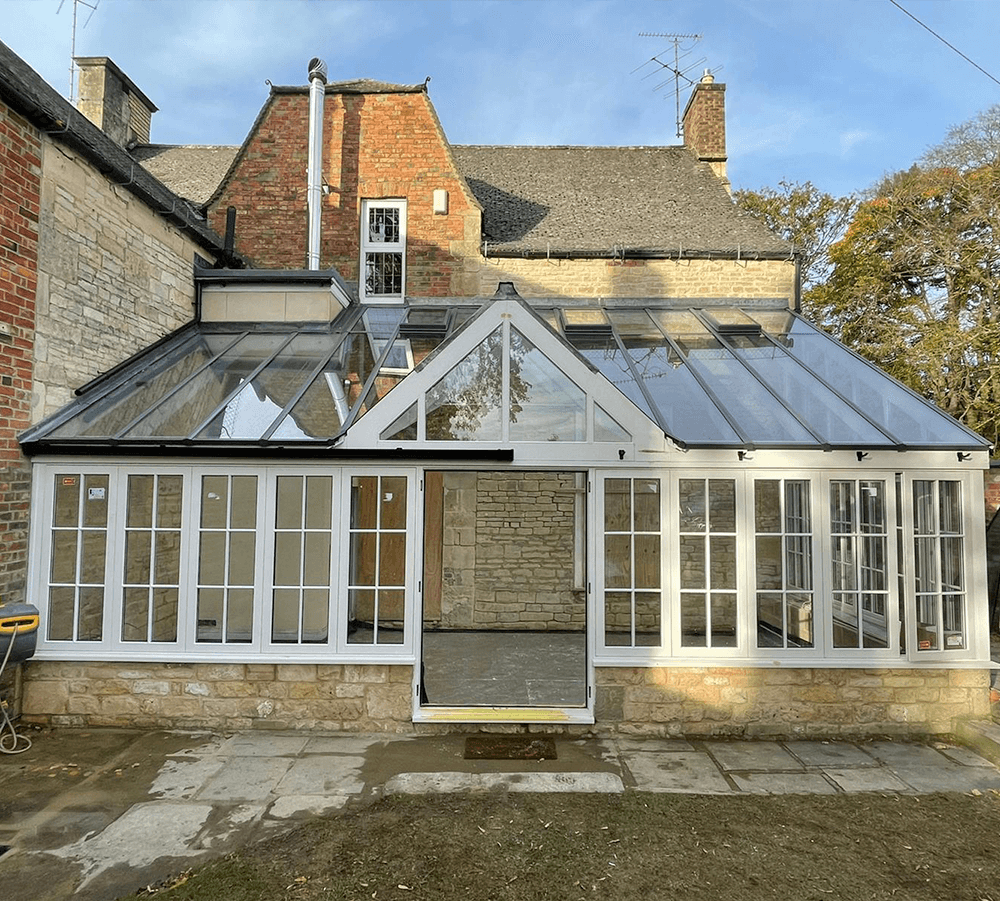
point(544, 404)
point(466, 404)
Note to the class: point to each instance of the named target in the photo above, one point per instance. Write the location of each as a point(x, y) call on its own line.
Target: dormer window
point(383, 249)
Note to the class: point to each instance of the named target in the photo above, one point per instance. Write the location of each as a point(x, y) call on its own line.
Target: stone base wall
point(794, 703)
point(230, 696)
point(668, 701)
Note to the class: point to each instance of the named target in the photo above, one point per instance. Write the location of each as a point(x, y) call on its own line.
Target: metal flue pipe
point(314, 195)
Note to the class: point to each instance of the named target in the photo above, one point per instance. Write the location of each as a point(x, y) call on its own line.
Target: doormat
point(510, 747)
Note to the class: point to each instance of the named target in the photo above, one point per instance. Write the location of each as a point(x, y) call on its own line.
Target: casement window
point(708, 563)
point(383, 249)
point(632, 598)
point(859, 563)
point(784, 563)
point(938, 563)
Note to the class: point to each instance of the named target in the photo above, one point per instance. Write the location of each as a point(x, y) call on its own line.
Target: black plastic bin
point(18, 632)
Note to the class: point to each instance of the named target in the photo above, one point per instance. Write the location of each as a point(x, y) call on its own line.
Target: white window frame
point(370, 247)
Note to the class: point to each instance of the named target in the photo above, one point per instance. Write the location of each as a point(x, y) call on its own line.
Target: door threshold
point(581, 715)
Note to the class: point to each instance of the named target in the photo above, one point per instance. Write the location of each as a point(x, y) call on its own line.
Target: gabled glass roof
point(708, 377)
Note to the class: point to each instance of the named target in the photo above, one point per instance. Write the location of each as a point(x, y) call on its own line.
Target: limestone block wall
point(798, 703)
point(640, 278)
point(113, 277)
point(508, 552)
point(219, 696)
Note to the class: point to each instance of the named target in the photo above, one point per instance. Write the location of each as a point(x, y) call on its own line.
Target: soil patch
point(510, 747)
point(629, 847)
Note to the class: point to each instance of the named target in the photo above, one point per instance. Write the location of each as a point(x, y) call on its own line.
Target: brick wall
point(671, 701)
point(113, 278)
point(375, 146)
point(20, 180)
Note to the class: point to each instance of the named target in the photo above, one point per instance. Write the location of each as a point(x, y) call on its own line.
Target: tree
point(808, 218)
point(971, 145)
point(915, 287)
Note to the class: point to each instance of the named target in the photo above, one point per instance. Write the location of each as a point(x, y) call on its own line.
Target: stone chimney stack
point(704, 124)
point(112, 102)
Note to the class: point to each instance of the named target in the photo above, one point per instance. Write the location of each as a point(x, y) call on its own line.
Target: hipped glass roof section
point(712, 377)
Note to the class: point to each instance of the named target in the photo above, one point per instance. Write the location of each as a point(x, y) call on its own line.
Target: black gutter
point(24, 90)
point(627, 253)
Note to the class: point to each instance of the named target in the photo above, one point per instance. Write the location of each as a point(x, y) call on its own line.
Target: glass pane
point(135, 615)
point(287, 558)
point(361, 616)
point(954, 622)
point(64, 544)
point(285, 615)
point(647, 505)
point(617, 505)
point(214, 502)
point(95, 493)
point(842, 518)
point(647, 561)
point(169, 499)
point(91, 614)
point(875, 629)
point(66, 507)
point(393, 502)
point(872, 506)
point(209, 614)
point(769, 572)
point(404, 428)
point(951, 507)
point(952, 578)
point(722, 505)
point(363, 546)
point(239, 622)
point(212, 558)
point(694, 632)
point(617, 561)
point(317, 559)
point(845, 621)
point(606, 428)
point(723, 619)
point(138, 550)
point(647, 619)
point(392, 559)
point(244, 512)
point(167, 565)
point(288, 511)
point(140, 502)
point(800, 620)
point(390, 617)
point(241, 558)
point(692, 505)
point(383, 225)
point(62, 606)
point(693, 562)
point(617, 619)
point(315, 615)
point(544, 404)
point(465, 404)
point(165, 614)
point(770, 620)
point(723, 551)
point(92, 557)
point(319, 502)
point(364, 502)
point(604, 354)
point(767, 505)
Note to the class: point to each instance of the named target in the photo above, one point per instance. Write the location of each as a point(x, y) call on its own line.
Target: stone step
point(983, 736)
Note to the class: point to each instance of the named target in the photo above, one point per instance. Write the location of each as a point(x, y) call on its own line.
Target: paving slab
point(300, 807)
point(752, 755)
point(346, 744)
point(264, 744)
point(321, 775)
point(784, 784)
point(830, 753)
point(868, 779)
point(952, 778)
point(679, 771)
point(655, 745)
point(245, 779)
point(444, 783)
point(895, 753)
point(965, 757)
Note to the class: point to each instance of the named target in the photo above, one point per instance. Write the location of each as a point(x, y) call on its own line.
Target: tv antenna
point(72, 50)
point(683, 45)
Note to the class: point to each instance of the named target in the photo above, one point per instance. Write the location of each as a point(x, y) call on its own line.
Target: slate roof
point(192, 171)
point(655, 199)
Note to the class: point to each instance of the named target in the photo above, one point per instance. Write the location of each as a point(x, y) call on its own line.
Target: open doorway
point(504, 599)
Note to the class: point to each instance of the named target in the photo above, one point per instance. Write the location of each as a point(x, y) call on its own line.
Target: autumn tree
point(915, 287)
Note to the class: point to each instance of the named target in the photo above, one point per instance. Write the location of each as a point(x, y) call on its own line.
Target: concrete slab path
point(96, 814)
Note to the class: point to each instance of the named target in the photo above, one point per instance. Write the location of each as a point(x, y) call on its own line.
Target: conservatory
point(562, 511)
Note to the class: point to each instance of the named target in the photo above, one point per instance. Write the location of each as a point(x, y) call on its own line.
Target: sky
point(836, 92)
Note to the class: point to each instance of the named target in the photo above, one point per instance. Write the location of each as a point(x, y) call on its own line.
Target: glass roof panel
point(179, 414)
point(688, 413)
point(827, 415)
point(109, 414)
point(728, 316)
point(606, 428)
point(879, 397)
point(544, 404)
point(466, 404)
point(404, 428)
point(607, 358)
point(679, 322)
point(591, 316)
point(634, 324)
point(250, 412)
point(759, 415)
point(775, 322)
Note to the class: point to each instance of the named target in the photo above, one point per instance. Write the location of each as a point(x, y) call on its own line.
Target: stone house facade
point(539, 442)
